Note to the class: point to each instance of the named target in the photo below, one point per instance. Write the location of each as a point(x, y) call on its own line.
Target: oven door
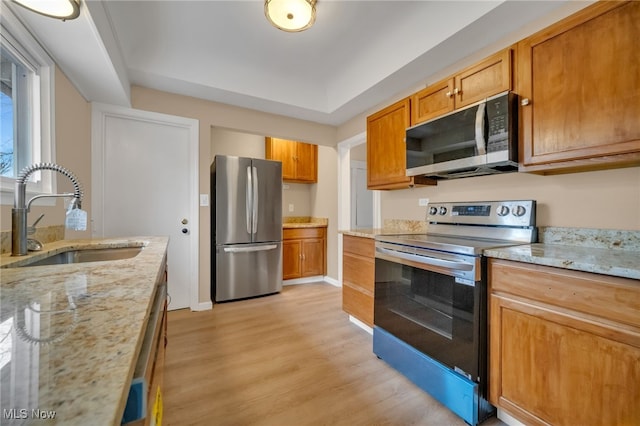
point(432, 301)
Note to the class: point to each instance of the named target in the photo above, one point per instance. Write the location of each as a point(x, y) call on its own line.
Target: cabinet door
point(386, 149)
point(432, 101)
point(487, 78)
point(549, 367)
point(580, 78)
point(358, 278)
point(284, 151)
point(312, 257)
point(306, 162)
point(291, 259)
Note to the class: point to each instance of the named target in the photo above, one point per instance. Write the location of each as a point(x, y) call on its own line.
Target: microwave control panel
point(501, 112)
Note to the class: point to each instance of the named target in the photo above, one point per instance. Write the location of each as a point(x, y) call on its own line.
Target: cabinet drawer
point(359, 245)
point(613, 298)
point(298, 233)
point(359, 271)
point(357, 303)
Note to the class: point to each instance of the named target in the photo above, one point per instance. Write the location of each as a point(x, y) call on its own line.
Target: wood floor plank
point(287, 359)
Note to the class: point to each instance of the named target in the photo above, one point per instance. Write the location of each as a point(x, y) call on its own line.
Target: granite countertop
point(602, 251)
point(617, 263)
point(292, 222)
point(76, 330)
point(363, 233)
point(608, 252)
point(389, 227)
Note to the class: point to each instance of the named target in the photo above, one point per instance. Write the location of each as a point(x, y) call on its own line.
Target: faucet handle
point(32, 229)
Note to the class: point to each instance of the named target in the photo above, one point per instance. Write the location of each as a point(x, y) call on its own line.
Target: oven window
point(429, 311)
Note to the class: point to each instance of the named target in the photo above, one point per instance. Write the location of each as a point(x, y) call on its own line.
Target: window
point(26, 102)
point(15, 145)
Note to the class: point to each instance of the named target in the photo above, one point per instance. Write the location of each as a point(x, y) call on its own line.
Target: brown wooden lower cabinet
point(358, 269)
point(304, 252)
point(564, 346)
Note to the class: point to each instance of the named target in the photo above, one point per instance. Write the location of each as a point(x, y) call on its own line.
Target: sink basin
point(86, 255)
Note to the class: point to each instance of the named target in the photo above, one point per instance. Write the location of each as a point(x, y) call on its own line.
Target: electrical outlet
point(423, 202)
point(290, 208)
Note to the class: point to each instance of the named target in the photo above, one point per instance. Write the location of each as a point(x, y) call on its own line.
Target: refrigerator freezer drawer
point(247, 270)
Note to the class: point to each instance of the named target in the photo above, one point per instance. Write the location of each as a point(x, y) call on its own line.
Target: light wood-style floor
point(287, 359)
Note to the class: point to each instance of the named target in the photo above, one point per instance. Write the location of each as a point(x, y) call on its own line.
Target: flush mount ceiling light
point(290, 15)
point(60, 9)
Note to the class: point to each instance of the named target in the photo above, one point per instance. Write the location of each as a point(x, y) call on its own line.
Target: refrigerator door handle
point(248, 204)
point(250, 248)
point(255, 199)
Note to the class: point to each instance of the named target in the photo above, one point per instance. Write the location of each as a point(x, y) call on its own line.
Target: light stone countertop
point(601, 251)
point(363, 233)
point(82, 367)
point(374, 232)
point(304, 225)
point(619, 263)
point(294, 222)
point(390, 227)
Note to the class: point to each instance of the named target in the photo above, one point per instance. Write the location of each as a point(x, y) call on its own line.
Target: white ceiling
point(356, 56)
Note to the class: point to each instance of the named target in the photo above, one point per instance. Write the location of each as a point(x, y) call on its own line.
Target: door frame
point(344, 191)
point(99, 113)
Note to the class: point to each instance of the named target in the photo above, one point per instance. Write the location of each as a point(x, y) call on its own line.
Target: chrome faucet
point(21, 207)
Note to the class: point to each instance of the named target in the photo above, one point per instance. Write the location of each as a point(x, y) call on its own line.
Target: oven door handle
point(428, 260)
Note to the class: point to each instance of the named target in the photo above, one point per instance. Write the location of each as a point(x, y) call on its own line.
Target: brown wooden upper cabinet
point(299, 159)
point(386, 149)
point(489, 77)
point(580, 91)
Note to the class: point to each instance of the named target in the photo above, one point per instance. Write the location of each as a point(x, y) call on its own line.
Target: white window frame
point(18, 40)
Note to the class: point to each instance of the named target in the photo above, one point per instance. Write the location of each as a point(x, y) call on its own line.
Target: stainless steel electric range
point(430, 314)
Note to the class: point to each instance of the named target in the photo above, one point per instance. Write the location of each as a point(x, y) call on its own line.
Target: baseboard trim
point(314, 279)
point(360, 324)
point(332, 281)
point(305, 280)
point(508, 418)
point(202, 306)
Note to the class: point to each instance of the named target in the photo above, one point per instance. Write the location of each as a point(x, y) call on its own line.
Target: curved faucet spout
point(21, 207)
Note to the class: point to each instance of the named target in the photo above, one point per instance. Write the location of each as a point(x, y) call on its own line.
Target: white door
point(145, 183)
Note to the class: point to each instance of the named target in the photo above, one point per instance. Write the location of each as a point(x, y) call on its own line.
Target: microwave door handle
point(481, 144)
point(427, 260)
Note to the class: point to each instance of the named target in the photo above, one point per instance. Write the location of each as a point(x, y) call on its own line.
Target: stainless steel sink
point(85, 255)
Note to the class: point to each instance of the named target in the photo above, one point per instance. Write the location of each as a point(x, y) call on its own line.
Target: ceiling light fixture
point(60, 9)
point(290, 15)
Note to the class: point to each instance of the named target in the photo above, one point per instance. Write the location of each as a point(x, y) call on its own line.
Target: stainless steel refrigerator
point(246, 226)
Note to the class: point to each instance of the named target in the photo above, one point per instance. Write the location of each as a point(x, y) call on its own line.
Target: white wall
point(608, 199)
point(324, 202)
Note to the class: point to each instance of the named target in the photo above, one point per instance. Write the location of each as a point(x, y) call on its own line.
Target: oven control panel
point(520, 213)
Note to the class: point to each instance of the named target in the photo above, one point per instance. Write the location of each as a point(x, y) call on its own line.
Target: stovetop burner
point(471, 227)
point(470, 246)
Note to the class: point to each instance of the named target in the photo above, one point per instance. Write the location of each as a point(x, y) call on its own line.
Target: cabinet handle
point(448, 94)
point(525, 102)
point(456, 91)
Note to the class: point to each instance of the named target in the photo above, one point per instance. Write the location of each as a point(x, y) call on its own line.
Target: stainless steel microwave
point(480, 139)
